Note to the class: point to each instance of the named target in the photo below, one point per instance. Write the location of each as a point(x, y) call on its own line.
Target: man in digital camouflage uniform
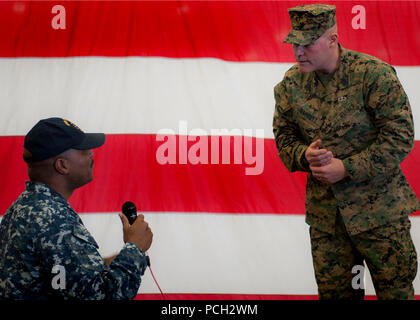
point(45, 250)
point(343, 117)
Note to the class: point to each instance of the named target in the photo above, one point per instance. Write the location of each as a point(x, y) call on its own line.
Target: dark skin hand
point(138, 233)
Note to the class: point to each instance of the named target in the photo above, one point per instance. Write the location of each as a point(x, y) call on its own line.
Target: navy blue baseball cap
point(52, 136)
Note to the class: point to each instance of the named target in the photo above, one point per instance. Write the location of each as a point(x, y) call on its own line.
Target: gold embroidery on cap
point(69, 123)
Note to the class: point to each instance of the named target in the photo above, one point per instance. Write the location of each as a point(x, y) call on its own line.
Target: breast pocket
point(85, 250)
point(306, 113)
point(83, 237)
point(348, 126)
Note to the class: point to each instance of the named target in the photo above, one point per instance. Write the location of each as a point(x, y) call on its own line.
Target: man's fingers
point(325, 158)
point(327, 154)
point(317, 170)
point(315, 144)
point(319, 176)
point(314, 170)
point(124, 221)
point(320, 158)
point(140, 224)
point(317, 152)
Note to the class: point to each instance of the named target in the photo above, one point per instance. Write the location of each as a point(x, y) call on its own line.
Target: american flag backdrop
point(184, 92)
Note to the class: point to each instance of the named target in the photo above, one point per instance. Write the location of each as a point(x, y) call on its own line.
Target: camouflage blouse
point(46, 252)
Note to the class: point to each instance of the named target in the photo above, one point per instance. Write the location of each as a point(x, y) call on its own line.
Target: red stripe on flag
point(192, 296)
point(229, 30)
point(220, 296)
point(126, 168)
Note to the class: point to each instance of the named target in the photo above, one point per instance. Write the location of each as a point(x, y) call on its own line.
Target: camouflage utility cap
point(309, 22)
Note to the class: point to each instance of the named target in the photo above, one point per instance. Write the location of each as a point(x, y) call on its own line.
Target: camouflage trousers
point(388, 252)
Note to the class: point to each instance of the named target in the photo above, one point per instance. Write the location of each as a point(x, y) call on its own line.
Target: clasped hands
point(323, 165)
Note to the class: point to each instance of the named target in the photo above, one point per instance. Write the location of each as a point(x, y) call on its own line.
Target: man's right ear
point(333, 38)
point(61, 165)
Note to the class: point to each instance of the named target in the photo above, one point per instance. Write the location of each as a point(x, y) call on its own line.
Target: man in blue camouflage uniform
point(45, 250)
point(343, 117)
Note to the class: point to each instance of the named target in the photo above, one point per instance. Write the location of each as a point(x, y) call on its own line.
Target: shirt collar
point(39, 187)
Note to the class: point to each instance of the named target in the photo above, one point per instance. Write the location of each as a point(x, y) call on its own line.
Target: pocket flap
point(83, 234)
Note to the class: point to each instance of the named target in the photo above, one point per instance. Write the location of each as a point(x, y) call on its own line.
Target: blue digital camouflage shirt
point(42, 238)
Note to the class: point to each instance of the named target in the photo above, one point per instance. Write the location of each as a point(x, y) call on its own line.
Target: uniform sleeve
point(76, 270)
point(287, 136)
point(390, 111)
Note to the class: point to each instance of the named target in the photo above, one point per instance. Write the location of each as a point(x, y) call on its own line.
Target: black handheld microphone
point(130, 211)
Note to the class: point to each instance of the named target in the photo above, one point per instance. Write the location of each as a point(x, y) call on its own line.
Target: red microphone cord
point(151, 272)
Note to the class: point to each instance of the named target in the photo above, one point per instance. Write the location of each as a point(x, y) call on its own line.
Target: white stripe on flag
point(231, 254)
point(237, 254)
point(145, 95)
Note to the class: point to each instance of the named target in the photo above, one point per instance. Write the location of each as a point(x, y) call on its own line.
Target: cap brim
point(91, 141)
point(298, 37)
